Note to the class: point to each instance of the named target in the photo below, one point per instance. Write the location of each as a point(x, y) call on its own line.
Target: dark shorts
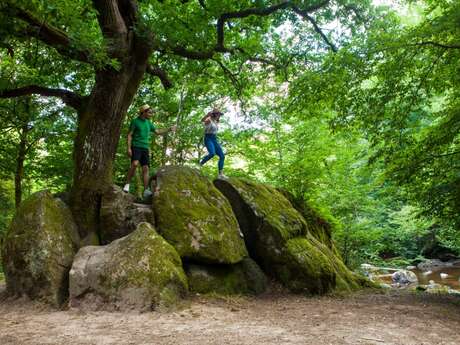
point(141, 155)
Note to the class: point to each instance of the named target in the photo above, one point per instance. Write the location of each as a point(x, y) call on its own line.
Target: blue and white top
point(211, 128)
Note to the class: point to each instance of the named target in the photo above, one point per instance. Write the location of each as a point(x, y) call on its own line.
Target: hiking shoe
point(126, 188)
point(147, 193)
point(222, 177)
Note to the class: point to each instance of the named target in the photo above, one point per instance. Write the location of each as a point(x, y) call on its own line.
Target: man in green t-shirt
point(139, 144)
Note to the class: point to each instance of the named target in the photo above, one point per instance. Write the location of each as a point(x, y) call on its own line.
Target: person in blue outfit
point(211, 127)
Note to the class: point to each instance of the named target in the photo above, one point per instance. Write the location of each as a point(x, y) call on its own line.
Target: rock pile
point(226, 238)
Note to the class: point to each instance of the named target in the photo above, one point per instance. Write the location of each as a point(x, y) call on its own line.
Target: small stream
point(434, 274)
point(444, 274)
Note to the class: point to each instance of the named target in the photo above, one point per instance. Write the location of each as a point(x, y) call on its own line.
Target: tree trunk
point(97, 138)
point(19, 174)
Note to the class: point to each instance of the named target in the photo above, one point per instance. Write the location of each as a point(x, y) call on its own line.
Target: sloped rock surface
point(120, 215)
point(140, 271)
point(319, 226)
point(38, 249)
point(196, 218)
point(280, 240)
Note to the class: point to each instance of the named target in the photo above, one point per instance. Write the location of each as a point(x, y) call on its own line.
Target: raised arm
point(165, 130)
point(206, 119)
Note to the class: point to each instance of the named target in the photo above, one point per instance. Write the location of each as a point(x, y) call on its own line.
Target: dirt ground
point(362, 318)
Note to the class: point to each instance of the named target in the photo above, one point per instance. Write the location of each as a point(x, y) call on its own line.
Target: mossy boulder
point(320, 226)
point(140, 271)
point(39, 248)
point(120, 215)
point(282, 242)
point(242, 278)
point(196, 218)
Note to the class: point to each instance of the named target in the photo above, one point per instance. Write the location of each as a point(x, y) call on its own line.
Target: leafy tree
point(402, 90)
point(27, 121)
point(120, 41)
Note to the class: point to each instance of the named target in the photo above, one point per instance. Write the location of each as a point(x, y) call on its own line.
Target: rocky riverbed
point(431, 275)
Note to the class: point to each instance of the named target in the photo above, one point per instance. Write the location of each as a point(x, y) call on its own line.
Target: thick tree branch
point(260, 11)
point(129, 11)
point(160, 73)
point(68, 97)
point(264, 11)
point(109, 17)
point(50, 35)
point(226, 17)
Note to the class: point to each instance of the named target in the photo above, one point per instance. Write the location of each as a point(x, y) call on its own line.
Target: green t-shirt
point(141, 129)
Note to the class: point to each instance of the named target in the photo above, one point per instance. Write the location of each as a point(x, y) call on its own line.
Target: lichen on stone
point(296, 251)
point(139, 271)
point(38, 249)
point(194, 217)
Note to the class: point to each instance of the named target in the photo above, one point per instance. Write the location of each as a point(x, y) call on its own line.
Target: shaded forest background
point(355, 108)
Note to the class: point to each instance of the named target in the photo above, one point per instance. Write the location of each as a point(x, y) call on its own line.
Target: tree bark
point(19, 174)
point(99, 126)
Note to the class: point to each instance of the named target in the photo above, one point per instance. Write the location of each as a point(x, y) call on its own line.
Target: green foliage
point(370, 132)
point(7, 206)
point(402, 93)
point(6, 202)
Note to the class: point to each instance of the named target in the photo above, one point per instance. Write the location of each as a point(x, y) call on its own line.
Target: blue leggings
point(210, 141)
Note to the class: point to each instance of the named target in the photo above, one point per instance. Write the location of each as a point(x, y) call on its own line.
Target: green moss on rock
point(305, 267)
point(196, 218)
point(242, 278)
point(139, 271)
point(298, 252)
point(268, 204)
point(38, 249)
point(318, 224)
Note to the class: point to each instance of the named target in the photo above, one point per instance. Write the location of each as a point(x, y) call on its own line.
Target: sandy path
point(364, 318)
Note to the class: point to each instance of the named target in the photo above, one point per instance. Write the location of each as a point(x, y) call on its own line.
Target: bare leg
point(145, 172)
point(132, 171)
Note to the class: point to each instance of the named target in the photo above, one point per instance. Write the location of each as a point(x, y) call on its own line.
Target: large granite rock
point(38, 249)
point(120, 215)
point(140, 271)
point(242, 278)
point(196, 218)
point(280, 240)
